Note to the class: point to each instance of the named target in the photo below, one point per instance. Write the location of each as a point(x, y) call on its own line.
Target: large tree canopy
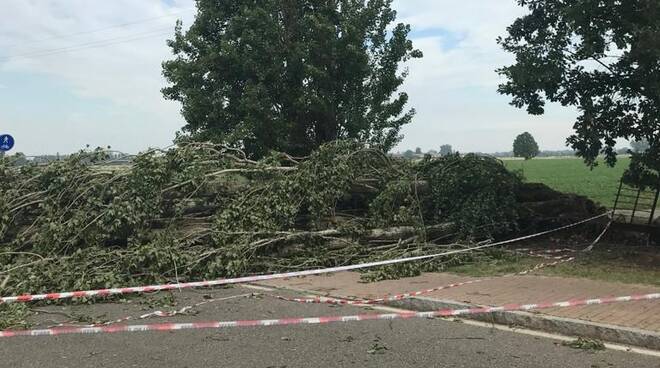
point(602, 56)
point(289, 75)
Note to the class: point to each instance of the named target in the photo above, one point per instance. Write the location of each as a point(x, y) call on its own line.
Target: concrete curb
point(543, 322)
point(533, 321)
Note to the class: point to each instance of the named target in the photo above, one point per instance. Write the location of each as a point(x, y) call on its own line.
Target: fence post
point(616, 201)
point(632, 218)
point(655, 204)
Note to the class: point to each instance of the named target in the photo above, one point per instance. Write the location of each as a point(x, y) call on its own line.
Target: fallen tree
point(204, 210)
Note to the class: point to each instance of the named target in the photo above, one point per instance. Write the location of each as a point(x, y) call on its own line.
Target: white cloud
point(127, 74)
point(453, 89)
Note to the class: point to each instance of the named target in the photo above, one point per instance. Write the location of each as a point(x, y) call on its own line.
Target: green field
point(571, 175)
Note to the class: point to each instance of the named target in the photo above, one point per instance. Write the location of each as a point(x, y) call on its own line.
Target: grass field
point(573, 176)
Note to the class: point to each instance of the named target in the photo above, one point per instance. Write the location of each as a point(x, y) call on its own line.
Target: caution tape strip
point(544, 265)
point(389, 298)
point(159, 313)
point(153, 288)
point(337, 301)
point(547, 251)
point(551, 254)
point(549, 257)
point(320, 320)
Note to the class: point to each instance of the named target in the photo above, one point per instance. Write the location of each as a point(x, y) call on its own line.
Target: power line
point(122, 25)
point(89, 45)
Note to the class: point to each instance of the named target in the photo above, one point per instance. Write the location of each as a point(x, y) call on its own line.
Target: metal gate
point(637, 210)
point(636, 206)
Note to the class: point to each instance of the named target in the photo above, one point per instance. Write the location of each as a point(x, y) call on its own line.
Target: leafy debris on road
point(584, 343)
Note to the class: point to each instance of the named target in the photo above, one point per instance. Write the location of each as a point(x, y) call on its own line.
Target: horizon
point(79, 72)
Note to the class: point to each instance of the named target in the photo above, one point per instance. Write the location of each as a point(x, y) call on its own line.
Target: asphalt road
point(410, 343)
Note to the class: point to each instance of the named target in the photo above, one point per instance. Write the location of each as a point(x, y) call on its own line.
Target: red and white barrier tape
point(544, 256)
point(330, 300)
point(320, 320)
point(158, 313)
point(246, 279)
point(408, 295)
point(547, 251)
point(339, 301)
point(544, 265)
point(389, 298)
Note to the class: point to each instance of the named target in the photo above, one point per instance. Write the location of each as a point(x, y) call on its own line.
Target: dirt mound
point(542, 207)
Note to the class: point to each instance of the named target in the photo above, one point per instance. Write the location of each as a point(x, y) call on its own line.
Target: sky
point(79, 72)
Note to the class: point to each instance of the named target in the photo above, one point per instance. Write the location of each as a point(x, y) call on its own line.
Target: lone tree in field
point(602, 57)
point(289, 75)
point(525, 146)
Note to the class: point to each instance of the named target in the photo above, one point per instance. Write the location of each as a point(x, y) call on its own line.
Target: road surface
point(409, 343)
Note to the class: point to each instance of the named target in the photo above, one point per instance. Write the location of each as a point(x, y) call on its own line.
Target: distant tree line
point(20, 159)
point(445, 150)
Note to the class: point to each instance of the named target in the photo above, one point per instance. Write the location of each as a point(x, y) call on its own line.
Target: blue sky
point(447, 39)
point(110, 95)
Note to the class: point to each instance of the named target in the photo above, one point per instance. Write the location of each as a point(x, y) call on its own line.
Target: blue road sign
point(6, 142)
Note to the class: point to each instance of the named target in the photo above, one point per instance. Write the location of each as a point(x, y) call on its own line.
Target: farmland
point(573, 176)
